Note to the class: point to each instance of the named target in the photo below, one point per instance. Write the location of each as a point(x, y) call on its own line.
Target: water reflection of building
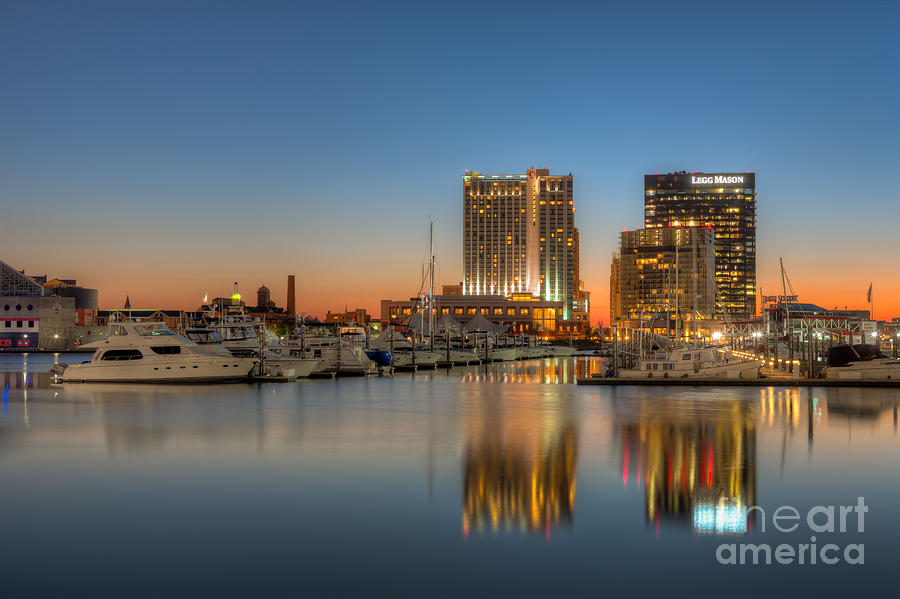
point(697, 464)
point(546, 371)
point(519, 471)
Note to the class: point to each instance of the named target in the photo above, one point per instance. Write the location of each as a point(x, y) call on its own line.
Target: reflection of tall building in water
point(519, 472)
point(696, 467)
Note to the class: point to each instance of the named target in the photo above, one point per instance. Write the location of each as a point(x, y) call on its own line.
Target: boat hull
point(200, 369)
point(302, 367)
point(737, 370)
point(864, 371)
point(501, 355)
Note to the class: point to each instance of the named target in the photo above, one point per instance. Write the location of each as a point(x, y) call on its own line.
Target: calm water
point(505, 480)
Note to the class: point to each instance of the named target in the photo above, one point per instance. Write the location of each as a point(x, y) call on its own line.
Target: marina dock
point(761, 382)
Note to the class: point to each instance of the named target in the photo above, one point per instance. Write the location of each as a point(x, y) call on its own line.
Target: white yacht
point(457, 356)
point(860, 362)
point(560, 351)
point(274, 364)
point(334, 356)
point(151, 353)
point(239, 332)
point(692, 363)
point(499, 354)
point(402, 356)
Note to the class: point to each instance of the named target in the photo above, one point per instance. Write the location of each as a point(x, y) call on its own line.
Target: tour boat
point(151, 353)
point(692, 363)
point(860, 362)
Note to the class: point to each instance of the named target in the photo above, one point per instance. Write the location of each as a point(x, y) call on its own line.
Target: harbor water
point(494, 480)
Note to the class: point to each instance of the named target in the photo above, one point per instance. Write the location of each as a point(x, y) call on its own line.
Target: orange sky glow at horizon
point(321, 289)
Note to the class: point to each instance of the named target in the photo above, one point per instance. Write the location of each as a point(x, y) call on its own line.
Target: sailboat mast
point(788, 329)
point(431, 286)
point(676, 287)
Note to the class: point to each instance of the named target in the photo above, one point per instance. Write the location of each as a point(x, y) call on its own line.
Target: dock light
point(716, 336)
point(56, 335)
point(757, 334)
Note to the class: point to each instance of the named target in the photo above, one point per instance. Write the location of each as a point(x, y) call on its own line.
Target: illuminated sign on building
point(716, 179)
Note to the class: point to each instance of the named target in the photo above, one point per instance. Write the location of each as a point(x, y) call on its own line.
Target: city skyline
point(147, 154)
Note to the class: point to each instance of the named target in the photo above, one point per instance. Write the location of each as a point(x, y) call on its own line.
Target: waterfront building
point(358, 316)
point(727, 203)
point(264, 298)
point(521, 312)
point(39, 313)
point(519, 236)
point(615, 303)
point(176, 320)
point(663, 272)
point(86, 299)
point(19, 295)
point(581, 299)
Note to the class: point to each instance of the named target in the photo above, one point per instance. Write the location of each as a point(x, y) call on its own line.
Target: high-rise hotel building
point(725, 202)
point(519, 236)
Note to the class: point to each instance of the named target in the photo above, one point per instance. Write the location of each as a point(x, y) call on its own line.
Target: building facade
point(665, 271)
point(522, 312)
point(37, 313)
point(519, 236)
point(359, 316)
point(727, 203)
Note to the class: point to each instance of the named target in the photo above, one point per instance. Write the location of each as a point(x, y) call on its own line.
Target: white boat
point(458, 356)
point(403, 359)
point(530, 353)
point(334, 356)
point(500, 354)
point(561, 351)
point(274, 364)
point(692, 363)
point(860, 362)
point(239, 332)
point(151, 353)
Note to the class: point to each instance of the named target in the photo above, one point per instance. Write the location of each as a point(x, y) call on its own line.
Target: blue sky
point(166, 149)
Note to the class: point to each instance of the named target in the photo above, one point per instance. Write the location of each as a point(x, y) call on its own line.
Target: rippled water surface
point(502, 480)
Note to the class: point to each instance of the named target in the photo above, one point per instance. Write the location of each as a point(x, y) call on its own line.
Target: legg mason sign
point(724, 179)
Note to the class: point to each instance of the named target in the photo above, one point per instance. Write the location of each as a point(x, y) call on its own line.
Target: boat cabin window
point(204, 336)
point(165, 350)
point(154, 328)
point(122, 354)
point(685, 356)
point(697, 357)
point(668, 366)
point(117, 329)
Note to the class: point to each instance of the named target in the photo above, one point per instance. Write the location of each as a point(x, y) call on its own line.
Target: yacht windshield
point(158, 328)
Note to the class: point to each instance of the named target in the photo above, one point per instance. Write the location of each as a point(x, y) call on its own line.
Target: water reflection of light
point(725, 516)
point(690, 459)
point(519, 467)
point(548, 371)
